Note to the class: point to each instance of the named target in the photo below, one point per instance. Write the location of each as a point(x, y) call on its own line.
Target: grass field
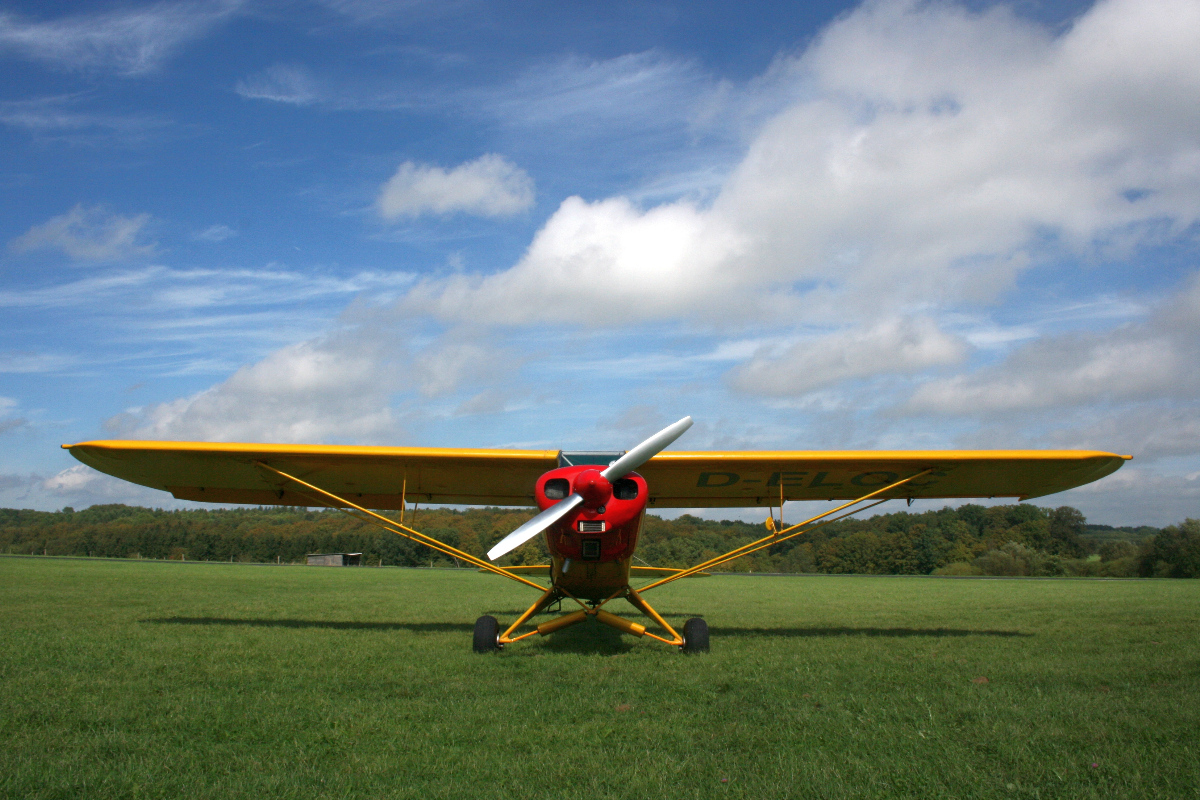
point(143, 679)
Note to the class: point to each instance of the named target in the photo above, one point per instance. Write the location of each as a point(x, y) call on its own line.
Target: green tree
point(1066, 533)
point(1174, 553)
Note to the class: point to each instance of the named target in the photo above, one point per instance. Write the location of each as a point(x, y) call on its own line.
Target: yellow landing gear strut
point(555, 593)
point(487, 629)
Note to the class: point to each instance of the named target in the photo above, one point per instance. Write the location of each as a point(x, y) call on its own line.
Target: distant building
point(335, 559)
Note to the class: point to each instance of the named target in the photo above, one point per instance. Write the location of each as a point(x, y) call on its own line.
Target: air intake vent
point(591, 526)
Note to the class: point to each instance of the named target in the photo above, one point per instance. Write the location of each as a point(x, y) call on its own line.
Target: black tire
point(695, 636)
point(487, 635)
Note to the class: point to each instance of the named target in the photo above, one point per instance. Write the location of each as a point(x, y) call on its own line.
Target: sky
point(828, 225)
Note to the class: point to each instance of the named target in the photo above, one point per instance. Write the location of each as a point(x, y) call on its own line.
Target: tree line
point(1019, 539)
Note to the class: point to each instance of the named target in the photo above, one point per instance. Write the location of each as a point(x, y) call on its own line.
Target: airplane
point(591, 504)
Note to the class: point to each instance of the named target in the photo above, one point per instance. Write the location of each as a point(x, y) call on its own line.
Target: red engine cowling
point(605, 527)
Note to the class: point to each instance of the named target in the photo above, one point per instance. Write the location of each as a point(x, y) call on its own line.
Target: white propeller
point(614, 471)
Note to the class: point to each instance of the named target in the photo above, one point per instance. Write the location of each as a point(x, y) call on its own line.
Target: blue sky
point(821, 225)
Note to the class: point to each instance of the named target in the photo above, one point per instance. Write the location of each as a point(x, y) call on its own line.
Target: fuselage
point(591, 548)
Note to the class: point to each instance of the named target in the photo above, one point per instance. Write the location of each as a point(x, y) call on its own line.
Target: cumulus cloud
point(72, 479)
point(81, 486)
point(445, 367)
point(943, 145)
point(600, 263)
point(332, 388)
point(88, 234)
point(1142, 361)
point(489, 186)
point(282, 83)
point(129, 41)
point(934, 155)
point(338, 387)
point(894, 346)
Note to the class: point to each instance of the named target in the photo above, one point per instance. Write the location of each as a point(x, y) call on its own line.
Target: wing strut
point(778, 536)
point(366, 515)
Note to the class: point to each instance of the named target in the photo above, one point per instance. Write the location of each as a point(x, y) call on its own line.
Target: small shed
point(334, 559)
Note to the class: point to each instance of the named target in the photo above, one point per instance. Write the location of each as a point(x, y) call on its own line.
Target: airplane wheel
point(695, 636)
point(487, 632)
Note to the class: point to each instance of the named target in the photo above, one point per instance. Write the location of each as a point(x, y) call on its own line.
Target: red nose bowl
point(593, 487)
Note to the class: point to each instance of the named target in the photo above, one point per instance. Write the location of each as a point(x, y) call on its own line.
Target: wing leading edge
point(377, 477)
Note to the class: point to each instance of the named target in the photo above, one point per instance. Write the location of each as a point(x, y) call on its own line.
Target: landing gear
point(487, 635)
point(695, 636)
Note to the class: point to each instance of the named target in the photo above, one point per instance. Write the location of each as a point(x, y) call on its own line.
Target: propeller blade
point(535, 526)
point(646, 450)
point(618, 469)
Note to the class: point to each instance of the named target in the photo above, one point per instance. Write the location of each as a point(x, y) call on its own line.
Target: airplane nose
point(593, 487)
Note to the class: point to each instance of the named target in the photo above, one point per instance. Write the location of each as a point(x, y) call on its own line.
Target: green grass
point(140, 679)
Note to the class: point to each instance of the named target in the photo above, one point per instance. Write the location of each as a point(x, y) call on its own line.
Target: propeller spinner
point(592, 486)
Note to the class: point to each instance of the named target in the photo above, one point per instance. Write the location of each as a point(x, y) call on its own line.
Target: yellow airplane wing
point(377, 477)
point(683, 480)
point(373, 477)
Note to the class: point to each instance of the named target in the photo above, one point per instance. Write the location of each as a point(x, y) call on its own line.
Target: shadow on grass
point(587, 638)
point(427, 627)
point(887, 632)
point(619, 610)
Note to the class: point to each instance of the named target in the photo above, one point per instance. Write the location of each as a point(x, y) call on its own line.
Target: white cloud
point(81, 486)
point(935, 155)
point(1062, 371)
point(1151, 360)
point(332, 388)
point(129, 41)
point(489, 186)
point(64, 118)
point(445, 367)
point(175, 290)
point(603, 263)
point(32, 362)
point(283, 83)
point(72, 479)
point(1150, 433)
point(894, 346)
point(88, 234)
point(338, 387)
point(579, 96)
point(215, 233)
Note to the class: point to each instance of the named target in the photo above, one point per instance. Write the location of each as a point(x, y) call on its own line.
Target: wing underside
point(383, 477)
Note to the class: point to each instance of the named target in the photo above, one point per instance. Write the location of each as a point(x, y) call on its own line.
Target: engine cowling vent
point(591, 526)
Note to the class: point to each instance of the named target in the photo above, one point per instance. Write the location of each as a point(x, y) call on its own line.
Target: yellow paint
point(591, 580)
point(561, 622)
point(620, 623)
point(380, 477)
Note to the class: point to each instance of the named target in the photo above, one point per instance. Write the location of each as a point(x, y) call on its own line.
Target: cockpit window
point(590, 457)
